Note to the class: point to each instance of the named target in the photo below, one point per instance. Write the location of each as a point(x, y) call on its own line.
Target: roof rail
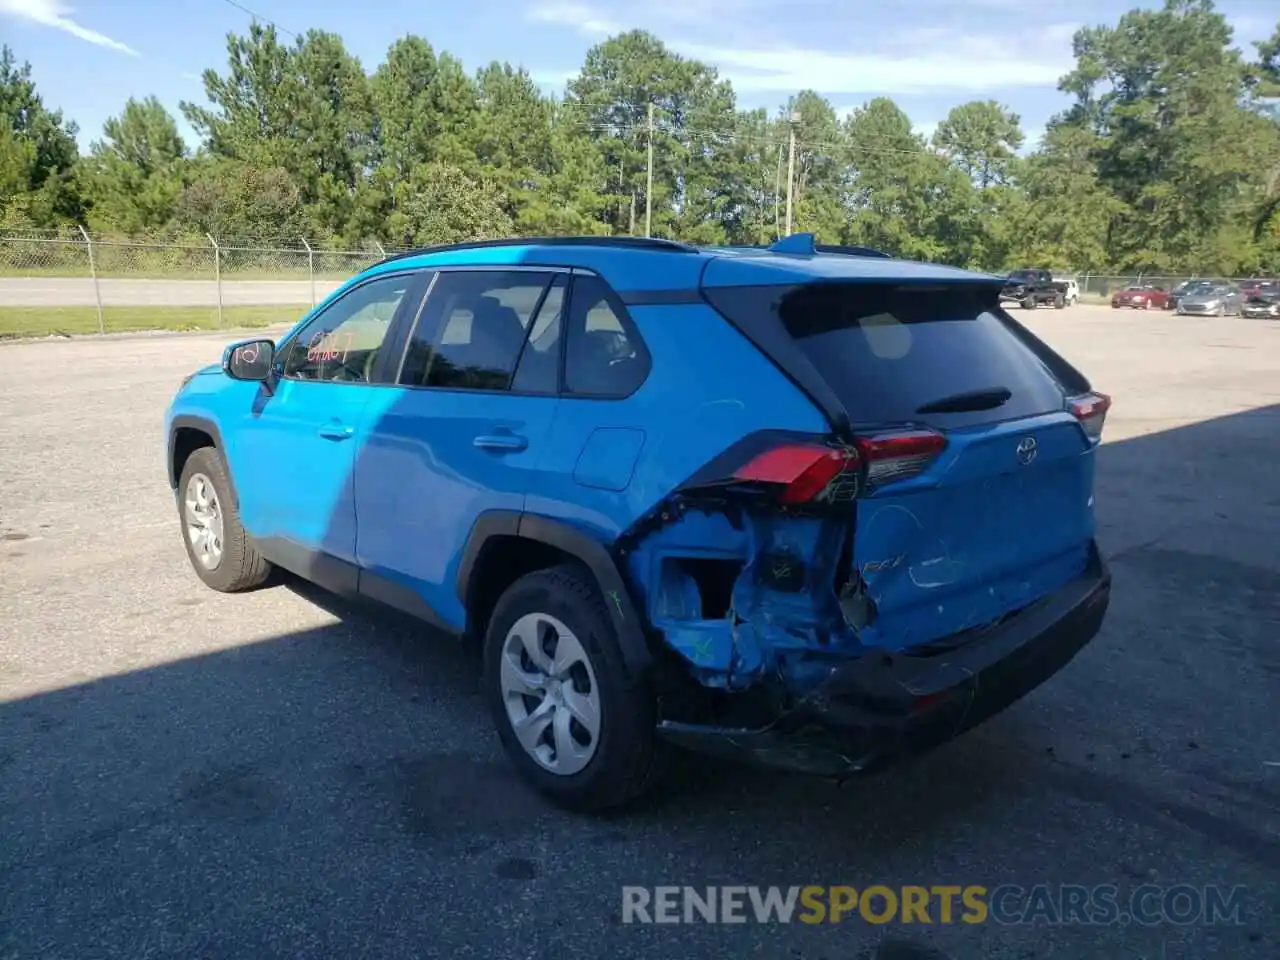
point(636, 243)
point(844, 251)
point(806, 244)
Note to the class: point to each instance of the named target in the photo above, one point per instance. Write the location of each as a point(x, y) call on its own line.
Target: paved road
point(187, 774)
point(75, 292)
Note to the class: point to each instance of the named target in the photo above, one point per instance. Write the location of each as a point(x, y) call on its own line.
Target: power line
point(257, 16)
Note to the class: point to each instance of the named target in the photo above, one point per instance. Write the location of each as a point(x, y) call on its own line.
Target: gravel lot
point(191, 775)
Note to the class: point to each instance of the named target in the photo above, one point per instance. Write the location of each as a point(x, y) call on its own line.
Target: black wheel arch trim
point(190, 421)
point(595, 556)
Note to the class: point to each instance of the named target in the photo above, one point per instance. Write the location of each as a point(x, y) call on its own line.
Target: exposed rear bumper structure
point(885, 706)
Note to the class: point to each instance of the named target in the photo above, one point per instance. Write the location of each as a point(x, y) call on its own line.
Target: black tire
point(628, 760)
point(1059, 302)
point(1029, 303)
point(241, 566)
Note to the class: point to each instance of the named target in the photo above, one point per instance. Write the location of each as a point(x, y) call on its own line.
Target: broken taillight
point(898, 456)
point(802, 470)
point(811, 472)
point(1091, 410)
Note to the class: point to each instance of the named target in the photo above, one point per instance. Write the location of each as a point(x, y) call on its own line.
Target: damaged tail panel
point(954, 489)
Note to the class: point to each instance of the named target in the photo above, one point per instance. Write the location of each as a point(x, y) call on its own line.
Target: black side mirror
point(250, 360)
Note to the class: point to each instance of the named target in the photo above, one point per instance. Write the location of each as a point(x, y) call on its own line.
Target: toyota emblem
point(1026, 450)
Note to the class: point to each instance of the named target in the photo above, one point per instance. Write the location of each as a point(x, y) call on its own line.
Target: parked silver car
point(1264, 304)
point(1213, 301)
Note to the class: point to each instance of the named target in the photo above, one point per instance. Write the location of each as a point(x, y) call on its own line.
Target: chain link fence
point(71, 281)
point(1099, 288)
point(74, 281)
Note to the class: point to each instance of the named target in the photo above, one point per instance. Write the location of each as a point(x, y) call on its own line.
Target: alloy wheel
point(203, 516)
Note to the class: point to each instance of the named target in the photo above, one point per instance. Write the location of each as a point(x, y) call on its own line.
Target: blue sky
point(89, 56)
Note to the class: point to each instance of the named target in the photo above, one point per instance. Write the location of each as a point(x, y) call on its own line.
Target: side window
point(473, 329)
point(343, 342)
point(604, 356)
point(539, 368)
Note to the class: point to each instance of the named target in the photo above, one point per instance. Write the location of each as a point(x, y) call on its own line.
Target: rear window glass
point(887, 350)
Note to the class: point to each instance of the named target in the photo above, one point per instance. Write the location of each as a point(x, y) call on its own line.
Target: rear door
point(1002, 513)
point(462, 430)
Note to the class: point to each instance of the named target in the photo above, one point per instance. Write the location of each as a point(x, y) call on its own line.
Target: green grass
point(16, 322)
point(175, 273)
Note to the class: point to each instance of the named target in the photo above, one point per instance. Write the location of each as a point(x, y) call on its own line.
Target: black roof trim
point(852, 251)
point(624, 242)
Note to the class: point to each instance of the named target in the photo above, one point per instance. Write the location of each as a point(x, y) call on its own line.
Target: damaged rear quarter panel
point(690, 411)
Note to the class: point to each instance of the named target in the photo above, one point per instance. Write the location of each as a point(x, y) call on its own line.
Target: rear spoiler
point(806, 244)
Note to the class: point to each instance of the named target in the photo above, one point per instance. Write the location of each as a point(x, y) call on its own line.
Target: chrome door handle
point(336, 430)
point(503, 442)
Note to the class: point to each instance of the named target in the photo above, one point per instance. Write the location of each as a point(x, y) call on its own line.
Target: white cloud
point(903, 61)
point(52, 13)
point(569, 14)
point(968, 64)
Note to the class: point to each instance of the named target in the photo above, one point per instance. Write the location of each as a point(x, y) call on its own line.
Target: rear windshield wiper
point(987, 398)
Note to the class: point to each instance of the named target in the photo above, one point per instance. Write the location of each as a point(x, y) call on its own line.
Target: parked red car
point(1251, 288)
point(1140, 296)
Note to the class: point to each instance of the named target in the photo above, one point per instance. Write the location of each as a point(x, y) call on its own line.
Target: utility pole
point(791, 163)
point(648, 186)
point(777, 198)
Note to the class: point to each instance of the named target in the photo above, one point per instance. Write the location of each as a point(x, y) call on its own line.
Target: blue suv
point(809, 506)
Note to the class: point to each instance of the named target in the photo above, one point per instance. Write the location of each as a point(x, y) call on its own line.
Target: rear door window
point(473, 329)
point(890, 352)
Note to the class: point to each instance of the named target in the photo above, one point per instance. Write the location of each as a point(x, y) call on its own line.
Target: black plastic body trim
point(658, 298)
point(595, 556)
point(347, 580)
point(846, 251)
point(187, 421)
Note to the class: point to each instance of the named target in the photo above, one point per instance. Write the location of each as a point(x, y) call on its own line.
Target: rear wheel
point(219, 550)
point(570, 721)
point(1059, 302)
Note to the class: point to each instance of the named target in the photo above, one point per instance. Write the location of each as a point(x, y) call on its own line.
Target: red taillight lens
point(1091, 410)
point(898, 456)
point(806, 472)
point(802, 470)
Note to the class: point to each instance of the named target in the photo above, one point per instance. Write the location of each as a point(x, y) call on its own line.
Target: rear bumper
point(883, 707)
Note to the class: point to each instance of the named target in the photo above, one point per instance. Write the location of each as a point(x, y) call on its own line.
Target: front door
point(294, 454)
point(463, 431)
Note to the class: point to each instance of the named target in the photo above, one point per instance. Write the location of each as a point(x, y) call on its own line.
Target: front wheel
point(217, 546)
point(1059, 302)
point(1029, 303)
point(576, 729)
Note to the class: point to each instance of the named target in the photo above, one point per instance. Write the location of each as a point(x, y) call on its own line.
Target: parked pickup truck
point(1030, 288)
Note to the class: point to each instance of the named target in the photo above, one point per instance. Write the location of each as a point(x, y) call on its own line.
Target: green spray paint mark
point(617, 602)
point(702, 649)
